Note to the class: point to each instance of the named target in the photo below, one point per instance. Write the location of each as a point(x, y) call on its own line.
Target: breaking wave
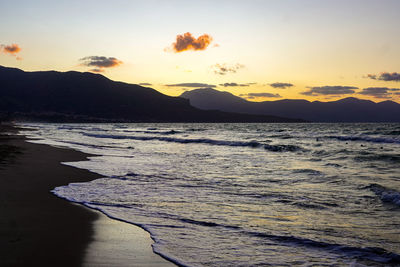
point(254, 144)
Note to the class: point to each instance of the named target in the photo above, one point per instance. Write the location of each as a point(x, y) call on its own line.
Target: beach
point(39, 229)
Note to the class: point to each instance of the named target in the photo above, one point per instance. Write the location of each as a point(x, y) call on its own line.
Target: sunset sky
point(262, 50)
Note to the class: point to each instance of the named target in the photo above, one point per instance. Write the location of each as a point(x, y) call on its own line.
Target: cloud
point(195, 85)
point(100, 63)
point(281, 85)
point(235, 84)
point(12, 50)
point(259, 95)
point(97, 70)
point(329, 90)
point(385, 76)
point(223, 69)
point(200, 88)
point(145, 84)
point(187, 41)
point(380, 92)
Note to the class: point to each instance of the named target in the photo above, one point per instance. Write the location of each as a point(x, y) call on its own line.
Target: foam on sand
point(116, 243)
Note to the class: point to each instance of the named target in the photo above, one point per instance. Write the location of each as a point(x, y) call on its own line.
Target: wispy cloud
point(145, 84)
point(281, 85)
point(222, 69)
point(12, 50)
point(259, 95)
point(380, 92)
point(194, 85)
point(100, 62)
point(385, 76)
point(235, 84)
point(187, 41)
point(329, 90)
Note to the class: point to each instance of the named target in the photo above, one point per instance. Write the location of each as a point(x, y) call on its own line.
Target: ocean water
point(245, 194)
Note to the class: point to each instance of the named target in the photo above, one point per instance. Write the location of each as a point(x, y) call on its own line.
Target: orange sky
point(321, 50)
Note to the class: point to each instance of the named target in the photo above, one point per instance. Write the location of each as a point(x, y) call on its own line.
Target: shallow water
point(246, 194)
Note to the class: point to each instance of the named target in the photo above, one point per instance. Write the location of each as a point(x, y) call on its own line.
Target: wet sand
point(39, 229)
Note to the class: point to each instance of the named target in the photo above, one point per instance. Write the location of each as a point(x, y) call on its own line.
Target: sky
point(258, 49)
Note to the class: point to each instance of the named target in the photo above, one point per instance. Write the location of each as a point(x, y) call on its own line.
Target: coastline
point(38, 228)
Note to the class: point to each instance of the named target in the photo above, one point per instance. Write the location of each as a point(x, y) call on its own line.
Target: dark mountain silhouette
point(344, 110)
point(87, 97)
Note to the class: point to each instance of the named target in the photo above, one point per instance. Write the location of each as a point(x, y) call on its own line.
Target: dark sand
point(39, 229)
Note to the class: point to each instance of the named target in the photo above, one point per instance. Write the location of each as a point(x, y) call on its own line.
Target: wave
point(207, 224)
point(77, 127)
point(88, 145)
point(388, 158)
point(366, 156)
point(281, 136)
point(394, 132)
point(386, 194)
point(307, 171)
point(196, 130)
point(253, 144)
point(282, 148)
point(333, 165)
point(366, 139)
point(293, 240)
point(374, 254)
point(383, 132)
point(371, 253)
point(170, 132)
point(95, 206)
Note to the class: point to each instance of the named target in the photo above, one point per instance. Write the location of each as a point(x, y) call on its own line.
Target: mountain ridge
point(53, 96)
point(348, 109)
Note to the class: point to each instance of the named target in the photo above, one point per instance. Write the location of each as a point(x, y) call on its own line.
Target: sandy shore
point(39, 229)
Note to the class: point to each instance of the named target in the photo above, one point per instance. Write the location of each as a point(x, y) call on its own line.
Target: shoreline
point(39, 228)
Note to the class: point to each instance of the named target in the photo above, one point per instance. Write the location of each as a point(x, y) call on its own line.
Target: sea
point(303, 194)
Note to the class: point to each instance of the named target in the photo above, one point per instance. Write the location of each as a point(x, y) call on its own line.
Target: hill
point(87, 97)
point(344, 110)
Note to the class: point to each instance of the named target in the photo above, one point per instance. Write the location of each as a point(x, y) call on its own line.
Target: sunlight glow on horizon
point(306, 43)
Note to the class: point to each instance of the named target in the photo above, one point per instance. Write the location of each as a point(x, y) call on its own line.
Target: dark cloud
point(195, 85)
point(259, 95)
point(385, 76)
point(97, 70)
point(100, 63)
point(329, 90)
point(145, 84)
point(371, 76)
point(187, 41)
point(235, 84)
point(12, 50)
point(200, 88)
point(223, 69)
point(379, 92)
point(281, 85)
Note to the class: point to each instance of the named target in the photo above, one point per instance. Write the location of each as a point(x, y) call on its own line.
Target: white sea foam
point(224, 195)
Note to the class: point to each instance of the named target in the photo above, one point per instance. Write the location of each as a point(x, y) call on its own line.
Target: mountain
point(344, 110)
point(87, 97)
